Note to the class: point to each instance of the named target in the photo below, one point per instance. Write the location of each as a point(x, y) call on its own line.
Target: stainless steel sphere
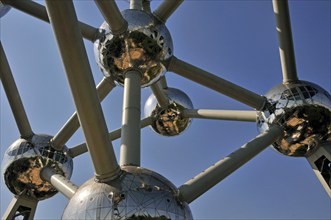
point(4, 9)
point(143, 46)
point(23, 162)
point(137, 193)
point(168, 121)
point(303, 109)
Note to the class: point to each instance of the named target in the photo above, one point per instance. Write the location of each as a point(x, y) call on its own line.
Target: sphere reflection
point(143, 46)
point(167, 121)
point(23, 162)
point(303, 109)
point(137, 193)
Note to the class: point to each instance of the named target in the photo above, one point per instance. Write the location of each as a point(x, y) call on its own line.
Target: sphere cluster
point(303, 109)
point(143, 47)
point(168, 121)
point(137, 193)
point(23, 162)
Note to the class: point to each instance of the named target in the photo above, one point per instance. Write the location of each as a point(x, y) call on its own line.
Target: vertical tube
point(13, 96)
point(69, 39)
point(286, 49)
point(136, 4)
point(130, 142)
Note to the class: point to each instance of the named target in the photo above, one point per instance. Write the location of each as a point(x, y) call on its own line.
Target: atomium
point(23, 162)
point(137, 193)
point(303, 109)
point(143, 46)
point(167, 120)
point(295, 117)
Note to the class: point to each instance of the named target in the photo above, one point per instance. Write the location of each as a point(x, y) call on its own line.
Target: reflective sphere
point(143, 46)
point(168, 120)
point(3, 9)
point(137, 193)
point(303, 109)
point(23, 162)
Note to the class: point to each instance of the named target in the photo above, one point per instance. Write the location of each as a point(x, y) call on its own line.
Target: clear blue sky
point(235, 40)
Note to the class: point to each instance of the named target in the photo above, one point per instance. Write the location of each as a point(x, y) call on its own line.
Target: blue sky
point(235, 40)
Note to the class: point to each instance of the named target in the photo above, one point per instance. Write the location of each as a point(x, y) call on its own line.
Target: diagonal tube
point(201, 183)
point(166, 8)
point(39, 11)
point(113, 16)
point(62, 184)
point(159, 94)
point(130, 140)
point(216, 83)
point(82, 148)
point(286, 49)
point(69, 39)
point(13, 96)
point(71, 126)
point(136, 4)
point(233, 115)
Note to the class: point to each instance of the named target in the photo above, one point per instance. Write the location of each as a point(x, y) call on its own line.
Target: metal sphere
point(303, 109)
point(143, 46)
point(168, 121)
point(23, 162)
point(3, 9)
point(137, 193)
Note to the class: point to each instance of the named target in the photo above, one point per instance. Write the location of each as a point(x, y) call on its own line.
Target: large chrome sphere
point(303, 109)
point(137, 193)
point(23, 162)
point(4, 9)
point(143, 46)
point(168, 121)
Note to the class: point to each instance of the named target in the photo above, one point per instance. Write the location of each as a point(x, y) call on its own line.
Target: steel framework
point(69, 34)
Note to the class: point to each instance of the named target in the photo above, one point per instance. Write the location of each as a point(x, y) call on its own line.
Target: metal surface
point(39, 11)
point(58, 181)
point(303, 109)
point(198, 185)
point(168, 120)
point(143, 46)
point(232, 115)
point(72, 125)
point(286, 49)
point(138, 193)
point(165, 10)
point(21, 207)
point(13, 96)
point(130, 141)
point(113, 16)
point(216, 83)
point(65, 26)
point(23, 161)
